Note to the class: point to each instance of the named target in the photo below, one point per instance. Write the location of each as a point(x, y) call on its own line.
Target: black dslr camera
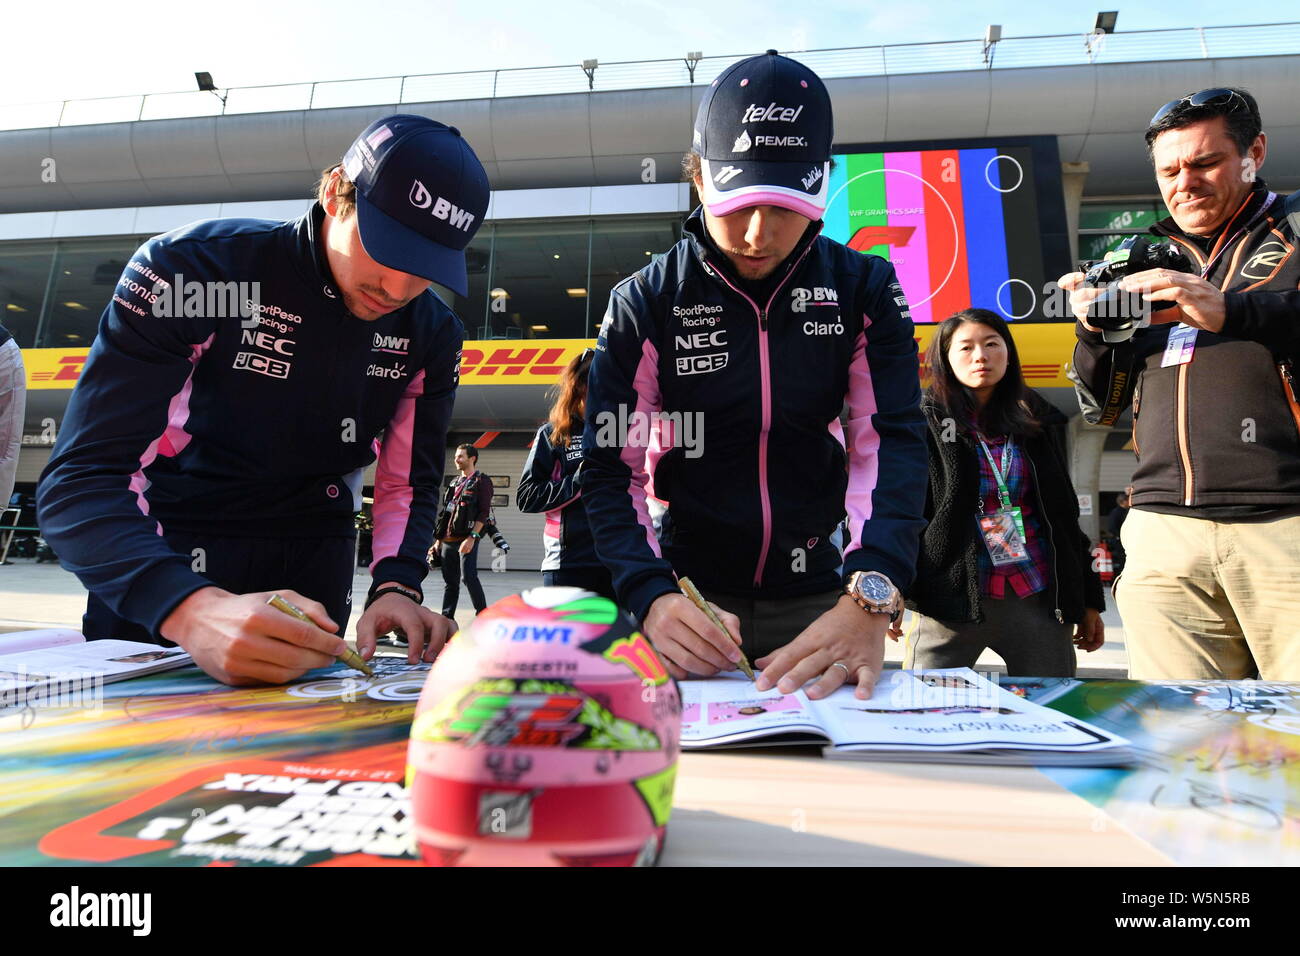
point(1123, 313)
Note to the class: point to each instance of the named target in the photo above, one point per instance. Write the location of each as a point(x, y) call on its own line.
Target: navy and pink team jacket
point(548, 485)
point(726, 411)
point(249, 409)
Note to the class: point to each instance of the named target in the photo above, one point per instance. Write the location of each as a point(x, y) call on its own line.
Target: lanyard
point(1221, 249)
point(999, 473)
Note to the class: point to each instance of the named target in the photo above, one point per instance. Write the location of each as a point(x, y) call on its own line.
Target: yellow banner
point(518, 361)
point(53, 368)
point(1045, 350)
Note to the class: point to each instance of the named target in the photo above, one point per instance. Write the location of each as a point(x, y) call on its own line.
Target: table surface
point(787, 808)
point(1221, 786)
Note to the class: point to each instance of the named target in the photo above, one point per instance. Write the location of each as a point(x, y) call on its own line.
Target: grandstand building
point(983, 170)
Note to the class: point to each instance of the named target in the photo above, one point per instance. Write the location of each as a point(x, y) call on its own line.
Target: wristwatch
point(874, 593)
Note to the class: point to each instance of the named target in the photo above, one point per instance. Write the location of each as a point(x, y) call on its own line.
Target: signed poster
point(176, 770)
point(1219, 783)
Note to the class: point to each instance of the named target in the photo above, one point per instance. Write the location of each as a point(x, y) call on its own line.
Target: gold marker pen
point(697, 599)
point(349, 656)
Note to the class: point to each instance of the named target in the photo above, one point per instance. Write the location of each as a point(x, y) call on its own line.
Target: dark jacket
point(1216, 437)
point(245, 419)
point(752, 391)
point(947, 585)
point(548, 484)
point(474, 496)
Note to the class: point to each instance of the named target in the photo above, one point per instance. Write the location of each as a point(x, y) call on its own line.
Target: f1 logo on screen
point(962, 226)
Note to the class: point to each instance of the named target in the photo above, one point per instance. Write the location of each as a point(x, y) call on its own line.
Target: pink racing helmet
point(547, 735)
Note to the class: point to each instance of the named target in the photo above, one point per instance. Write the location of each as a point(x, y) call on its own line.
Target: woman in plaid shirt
point(1003, 563)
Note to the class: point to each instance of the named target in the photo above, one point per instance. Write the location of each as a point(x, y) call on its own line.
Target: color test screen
point(961, 226)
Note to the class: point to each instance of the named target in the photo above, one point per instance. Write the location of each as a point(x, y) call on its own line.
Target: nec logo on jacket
point(700, 364)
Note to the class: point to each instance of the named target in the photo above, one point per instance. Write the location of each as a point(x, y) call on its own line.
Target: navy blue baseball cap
point(764, 132)
point(421, 196)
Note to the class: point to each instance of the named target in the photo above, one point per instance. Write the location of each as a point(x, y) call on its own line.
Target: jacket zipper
point(1220, 247)
point(765, 382)
point(1051, 540)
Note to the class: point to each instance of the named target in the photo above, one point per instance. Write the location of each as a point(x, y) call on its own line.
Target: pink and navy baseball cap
point(421, 196)
point(764, 132)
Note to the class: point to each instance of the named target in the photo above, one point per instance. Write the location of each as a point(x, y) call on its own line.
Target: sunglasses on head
point(1218, 96)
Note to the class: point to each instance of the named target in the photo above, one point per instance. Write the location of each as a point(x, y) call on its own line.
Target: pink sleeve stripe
point(864, 443)
point(174, 438)
point(393, 494)
point(646, 384)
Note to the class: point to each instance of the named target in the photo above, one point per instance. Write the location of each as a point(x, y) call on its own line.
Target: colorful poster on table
point(1220, 781)
point(177, 770)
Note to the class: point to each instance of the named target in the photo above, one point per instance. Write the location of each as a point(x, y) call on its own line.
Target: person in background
point(13, 405)
point(1209, 589)
point(1114, 522)
point(1003, 563)
point(548, 487)
point(467, 507)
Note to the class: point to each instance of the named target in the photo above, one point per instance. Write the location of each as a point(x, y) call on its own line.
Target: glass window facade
point(541, 279)
point(1103, 226)
point(25, 274)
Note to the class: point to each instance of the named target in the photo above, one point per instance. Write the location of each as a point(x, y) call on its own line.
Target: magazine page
point(14, 642)
point(728, 709)
point(950, 710)
point(88, 662)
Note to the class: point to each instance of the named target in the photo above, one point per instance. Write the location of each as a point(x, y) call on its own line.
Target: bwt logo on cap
point(421, 194)
point(421, 198)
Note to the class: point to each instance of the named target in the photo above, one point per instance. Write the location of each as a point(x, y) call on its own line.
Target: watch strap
point(894, 609)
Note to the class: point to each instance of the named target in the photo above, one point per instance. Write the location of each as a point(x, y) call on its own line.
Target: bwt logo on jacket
point(442, 209)
point(391, 343)
point(819, 295)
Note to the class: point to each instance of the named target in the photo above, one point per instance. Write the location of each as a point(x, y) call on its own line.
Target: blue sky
point(77, 49)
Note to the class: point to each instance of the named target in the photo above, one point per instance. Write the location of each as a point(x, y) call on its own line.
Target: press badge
point(1181, 345)
point(1004, 536)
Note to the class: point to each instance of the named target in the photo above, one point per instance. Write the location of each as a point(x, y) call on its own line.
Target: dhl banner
point(1045, 348)
point(53, 368)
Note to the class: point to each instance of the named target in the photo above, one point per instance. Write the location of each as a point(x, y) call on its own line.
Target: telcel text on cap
point(764, 131)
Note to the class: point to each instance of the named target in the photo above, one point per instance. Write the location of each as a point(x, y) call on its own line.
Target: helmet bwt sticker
point(547, 734)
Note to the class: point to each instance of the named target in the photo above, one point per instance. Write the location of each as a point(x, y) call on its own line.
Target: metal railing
point(1184, 43)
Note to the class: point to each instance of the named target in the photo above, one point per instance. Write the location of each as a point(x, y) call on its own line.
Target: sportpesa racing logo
point(695, 315)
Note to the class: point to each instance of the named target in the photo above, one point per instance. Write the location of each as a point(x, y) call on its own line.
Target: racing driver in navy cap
point(244, 375)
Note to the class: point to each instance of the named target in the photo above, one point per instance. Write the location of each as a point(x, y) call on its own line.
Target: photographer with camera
point(1213, 537)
